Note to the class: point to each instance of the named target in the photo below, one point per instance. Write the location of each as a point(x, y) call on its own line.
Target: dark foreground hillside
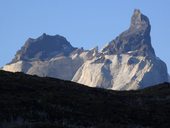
point(34, 102)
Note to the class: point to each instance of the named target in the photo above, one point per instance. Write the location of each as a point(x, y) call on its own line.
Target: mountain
point(28, 101)
point(127, 62)
point(43, 48)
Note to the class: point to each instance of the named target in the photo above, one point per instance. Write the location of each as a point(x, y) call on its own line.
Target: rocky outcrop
point(128, 62)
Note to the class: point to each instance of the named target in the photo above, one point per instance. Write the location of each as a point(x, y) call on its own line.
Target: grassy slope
point(34, 102)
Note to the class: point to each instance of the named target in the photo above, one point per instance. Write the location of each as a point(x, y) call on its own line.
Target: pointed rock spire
point(136, 40)
point(139, 22)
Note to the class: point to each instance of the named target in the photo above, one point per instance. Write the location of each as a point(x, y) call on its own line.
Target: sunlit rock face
point(127, 62)
point(122, 72)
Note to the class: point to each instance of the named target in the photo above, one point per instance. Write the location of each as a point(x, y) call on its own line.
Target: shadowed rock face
point(44, 47)
point(135, 40)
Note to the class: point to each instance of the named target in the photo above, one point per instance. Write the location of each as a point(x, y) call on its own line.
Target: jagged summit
point(139, 22)
point(136, 40)
point(44, 47)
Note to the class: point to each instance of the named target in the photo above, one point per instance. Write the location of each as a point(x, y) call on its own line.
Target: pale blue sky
point(85, 23)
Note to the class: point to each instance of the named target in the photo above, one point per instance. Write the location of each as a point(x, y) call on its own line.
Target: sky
point(85, 23)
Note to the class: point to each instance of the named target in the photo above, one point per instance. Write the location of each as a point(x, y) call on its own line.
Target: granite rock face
point(128, 62)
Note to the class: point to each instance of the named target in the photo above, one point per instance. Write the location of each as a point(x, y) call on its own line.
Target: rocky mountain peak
point(44, 47)
point(136, 40)
point(139, 22)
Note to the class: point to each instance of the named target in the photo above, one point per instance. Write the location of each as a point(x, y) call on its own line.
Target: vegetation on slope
point(34, 102)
